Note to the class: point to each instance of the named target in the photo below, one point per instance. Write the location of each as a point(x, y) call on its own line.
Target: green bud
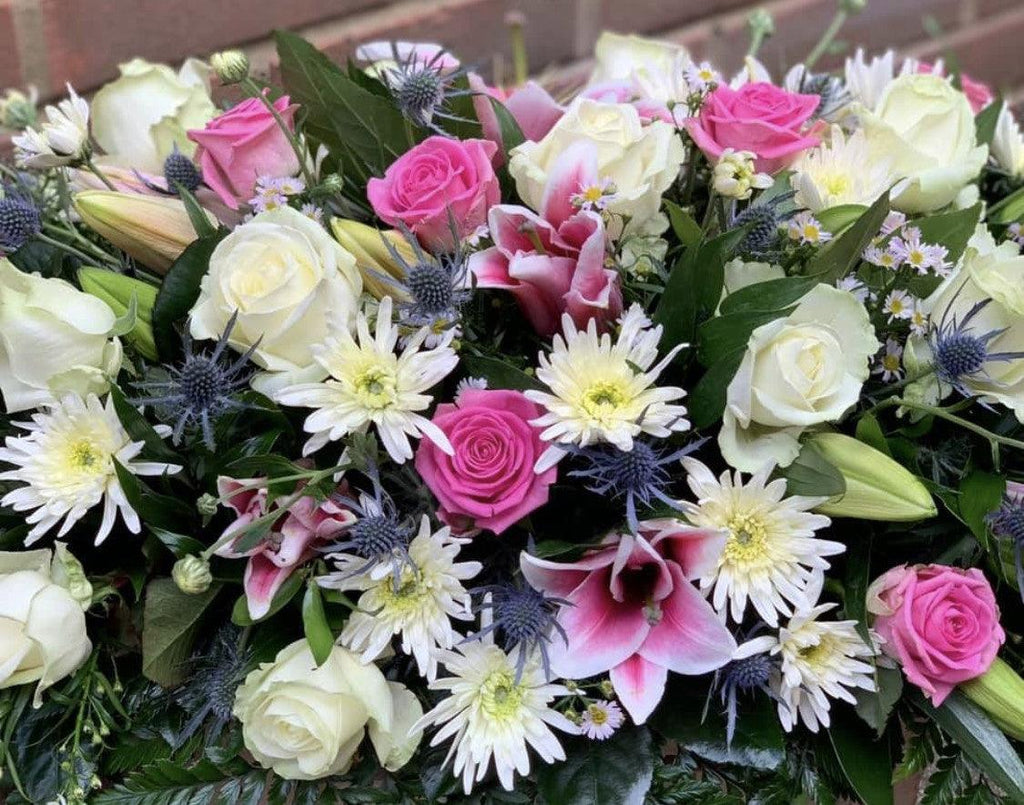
point(329, 185)
point(192, 575)
point(607, 688)
point(1000, 693)
point(207, 505)
point(853, 6)
point(18, 110)
point(231, 66)
point(877, 488)
point(117, 291)
point(67, 571)
point(761, 22)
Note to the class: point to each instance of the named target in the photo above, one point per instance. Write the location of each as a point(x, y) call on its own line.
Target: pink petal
point(534, 109)
point(261, 582)
point(559, 579)
point(639, 684)
point(695, 550)
point(574, 169)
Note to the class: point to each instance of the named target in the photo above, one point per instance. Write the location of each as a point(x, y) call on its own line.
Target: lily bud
point(192, 575)
point(877, 488)
point(152, 229)
point(117, 291)
point(1000, 693)
point(366, 244)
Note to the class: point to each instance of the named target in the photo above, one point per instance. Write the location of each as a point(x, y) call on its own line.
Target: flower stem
point(293, 141)
point(87, 161)
point(85, 258)
point(826, 39)
point(943, 413)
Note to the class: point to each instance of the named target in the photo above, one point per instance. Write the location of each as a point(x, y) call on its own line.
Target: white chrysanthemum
point(67, 463)
point(867, 80)
point(840, 172)
point(369, 384)
point(603, 391)
point(1008, 143)
point(492, 715)
point(820, 660)
point(419, 605)
point(772, 558)
point(61, 140)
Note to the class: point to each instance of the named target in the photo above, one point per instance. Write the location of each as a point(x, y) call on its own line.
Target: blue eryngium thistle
point(199, 389)
point(742, 676)
point(19, 222)
point(1007, 522)
point(638, 475)
point(180, 170)
point(208, 694)
point(521, 618)
point(421, 87)
point(762, 240)
point(960, 352)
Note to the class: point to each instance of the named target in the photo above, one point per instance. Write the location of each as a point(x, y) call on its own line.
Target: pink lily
point(553, 263)
point(530, 105)
point(290, 544)
point(635, 612)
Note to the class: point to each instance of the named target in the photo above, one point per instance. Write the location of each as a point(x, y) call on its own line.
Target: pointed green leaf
point(837, 257)
point(314, 623)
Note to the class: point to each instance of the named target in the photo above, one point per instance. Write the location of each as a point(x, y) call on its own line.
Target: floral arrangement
point(387, 436)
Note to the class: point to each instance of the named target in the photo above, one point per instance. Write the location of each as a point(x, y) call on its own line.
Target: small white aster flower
point(893, 221)
point(61, 140)
point(918, 319)
point(839, 172)
point(819, 661)
point(898, 305)
point(600, 720)
point(313, 212)
point(883, 258)
point(805, 228)
point(289, 185)
point(67, 463)
point(474, 238)
point(267, 198)
point(919, 256)
point(468, 383)
point(368, 384)
point(492, 716)
point(418, 601)
point(735, 177)
point(772, 558)
point(700, 77)
point(594, 197)
point(856, 287)
point(890, 365)
point(603, 391)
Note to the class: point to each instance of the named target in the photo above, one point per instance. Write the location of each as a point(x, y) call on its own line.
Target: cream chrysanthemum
point(772, 558)
point(841, 172)
point(418, 600)
point(67, 463)
point(819, 661)
point(369, 384)
point(492, 715)
point(603, 391)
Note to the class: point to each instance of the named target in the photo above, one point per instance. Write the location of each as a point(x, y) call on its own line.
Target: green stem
point(826, 39)
point(756, 40)
point(99, 253)
point(293, 141)
point(943, 413)
point(99, 174)
point(709, 213)
point(85, 258)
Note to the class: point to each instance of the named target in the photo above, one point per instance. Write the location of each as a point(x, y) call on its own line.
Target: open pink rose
point(757, 117)
point(941, 623)
point(242, 144)
point(290, 543)
point(979, 95)
point(553, 263)
point(635, 612)
point(436, 183)
point(489, 481)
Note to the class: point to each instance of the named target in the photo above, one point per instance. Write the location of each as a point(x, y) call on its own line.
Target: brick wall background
point(48, 42)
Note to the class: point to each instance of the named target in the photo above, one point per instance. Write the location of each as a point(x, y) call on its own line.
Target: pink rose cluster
point(941, 623)
point(758, 117)
point(243, 144)
point(488, 481)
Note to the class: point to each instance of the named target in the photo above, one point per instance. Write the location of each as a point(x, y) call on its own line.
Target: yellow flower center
point(500, 696)
point(748, 540)
point(602, 398)
point(375, 386)
point(811, 232)
point(407, 598)
point(819, 655)
point(835, 184)
point(84, 456)
point(890, 363)
point(598, 715)
point(896, 306)
point(592, 194)
point(915, 257)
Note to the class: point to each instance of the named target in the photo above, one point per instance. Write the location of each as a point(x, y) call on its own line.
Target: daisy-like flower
point(856, 287)
point(67, 463)
point(417, 601)
point(603, 391)
point(918, 319)
point(368, 384)
point(898, 305)
point(600, 720)
point(594, 196)
point(883, 258)
point(805, 228)
point(700, 77)
point(890, 365)
point(313, 212)
point(893, 221)
point(492, 716)
point(63, 139)
point(920, 256)
point(771, 558)
point(819, 661)
point(268, 197)
point(840, 172)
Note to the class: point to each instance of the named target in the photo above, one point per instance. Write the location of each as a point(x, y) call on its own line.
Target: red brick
point(643, 16)
point(10, 68)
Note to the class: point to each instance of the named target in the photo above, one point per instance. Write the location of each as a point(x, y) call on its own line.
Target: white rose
point(42, 621)
point(290, 283)
point(925, 129)
point(54, 339)
point(306, 722)
point(798, 371)
point(140, 117)
point(618, 56)
point(640, 160)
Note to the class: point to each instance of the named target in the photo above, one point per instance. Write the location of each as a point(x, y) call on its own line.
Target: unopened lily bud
point(373, 258)
point(152, 229)
point(231, 66)
point(1000, 693)
point(877, 488)
point(192, 575)
point(117, 290)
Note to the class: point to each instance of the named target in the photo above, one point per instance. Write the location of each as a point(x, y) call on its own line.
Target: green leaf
point(980, 493)
point(707, 400)
point(865, 761)
point(196, 214)
point(919, 749)
point(508, 127)
point(178, 544)
point(685, 227)
point(170, 621)
point(870, 432)
point(985, 122)
point(722, 336)
point(857, 578)
point(180, 290)
point(125, 323)
point(613, 772)
point(167, 783)
point(498, 373)
point(771, 296)
point(314, 623)
point(951, 229)
point(140, 430)
point(981, 740)
point(875, 707)
point(286, 592)
point(813, 475)
point(837, 257)
point(947, 781)
point(1009, 210)
point(836, 219)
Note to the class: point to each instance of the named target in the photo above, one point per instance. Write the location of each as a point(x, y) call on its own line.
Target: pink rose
point(979, 95)
point(489, 480)
point(757, 117)
point(941, 623)
point(244, 143)
point(436, 183)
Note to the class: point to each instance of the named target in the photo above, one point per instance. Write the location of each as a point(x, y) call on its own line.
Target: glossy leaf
point(865, 761)
point(179, 292)
point(314, 623)
point(837, 257)
point(170, 620)
point(613, 772)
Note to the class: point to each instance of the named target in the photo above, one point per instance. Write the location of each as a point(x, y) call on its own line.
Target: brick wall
point(48, 42)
